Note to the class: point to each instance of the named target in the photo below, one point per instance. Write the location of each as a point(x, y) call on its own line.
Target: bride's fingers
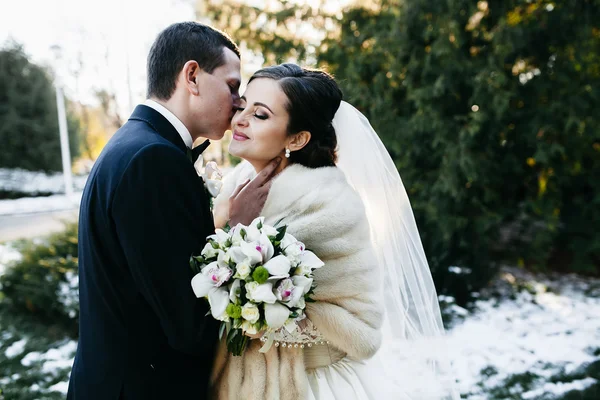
point(254, 336)
point(267, 173)
point(239, 188)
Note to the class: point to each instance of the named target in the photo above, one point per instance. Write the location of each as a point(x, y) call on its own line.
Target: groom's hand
point(248, 200)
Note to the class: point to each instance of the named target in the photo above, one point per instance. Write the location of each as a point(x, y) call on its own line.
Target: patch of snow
point(61, 387)
point(539, 333)
point(559, 388)
point(31, 358)
point(16, 348)
point(29, 205)
point(33, 182)
point(7, 255)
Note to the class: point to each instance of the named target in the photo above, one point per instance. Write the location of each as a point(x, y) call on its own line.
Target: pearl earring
point(287, 153)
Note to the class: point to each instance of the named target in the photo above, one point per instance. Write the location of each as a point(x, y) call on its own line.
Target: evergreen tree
point(29, 133)
point(489, 109)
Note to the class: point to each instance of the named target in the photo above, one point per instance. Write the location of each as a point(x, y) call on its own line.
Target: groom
point(144, 211)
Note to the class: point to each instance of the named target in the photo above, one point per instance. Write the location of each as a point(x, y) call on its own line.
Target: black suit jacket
point(144, 211)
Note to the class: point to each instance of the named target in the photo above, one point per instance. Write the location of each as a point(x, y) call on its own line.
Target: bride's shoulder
point(311, 186)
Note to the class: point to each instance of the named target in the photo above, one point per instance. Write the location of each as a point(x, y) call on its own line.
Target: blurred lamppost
point(62, 123)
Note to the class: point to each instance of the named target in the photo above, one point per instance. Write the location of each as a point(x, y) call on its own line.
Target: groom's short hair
point(178, 44)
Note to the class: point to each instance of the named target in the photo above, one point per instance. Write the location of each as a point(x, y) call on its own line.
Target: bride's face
point(260, 125)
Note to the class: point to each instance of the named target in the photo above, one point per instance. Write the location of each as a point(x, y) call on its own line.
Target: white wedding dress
point(334, 376)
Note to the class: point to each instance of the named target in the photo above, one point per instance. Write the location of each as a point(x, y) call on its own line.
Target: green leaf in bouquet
point(259, 225)
point(200, 259)
point(236, 342)
point(195, 264)
point(243, 233)
point(308, 298)
point(232, 334)
point(227, 227)
point(214, 244)
point(294, 314)
point(281, 233)
point(222, 329)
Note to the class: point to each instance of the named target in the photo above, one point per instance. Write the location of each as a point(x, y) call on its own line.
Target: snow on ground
point(32, 184)
point(28, 205)
point(53, 361)
point(16, 348)
point(19, 180)
point(555, 329)
point(7, 255)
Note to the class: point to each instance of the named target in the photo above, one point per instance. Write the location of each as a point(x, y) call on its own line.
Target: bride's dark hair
point(313, 99)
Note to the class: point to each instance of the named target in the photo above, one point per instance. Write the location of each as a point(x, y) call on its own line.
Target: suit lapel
point(159, 123)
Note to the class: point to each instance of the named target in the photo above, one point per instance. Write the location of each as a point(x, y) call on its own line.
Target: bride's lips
point(239, 136)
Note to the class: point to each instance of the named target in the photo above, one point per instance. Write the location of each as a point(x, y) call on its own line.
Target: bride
point(375, 330)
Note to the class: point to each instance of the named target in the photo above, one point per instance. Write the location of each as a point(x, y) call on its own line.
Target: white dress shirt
point(176, 122)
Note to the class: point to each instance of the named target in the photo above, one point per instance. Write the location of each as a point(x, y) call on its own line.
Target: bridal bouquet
point(256, 278)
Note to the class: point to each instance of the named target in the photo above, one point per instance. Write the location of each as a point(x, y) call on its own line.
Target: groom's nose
point(236, 100)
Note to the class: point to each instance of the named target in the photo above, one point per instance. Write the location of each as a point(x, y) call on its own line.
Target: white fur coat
point(321, 210)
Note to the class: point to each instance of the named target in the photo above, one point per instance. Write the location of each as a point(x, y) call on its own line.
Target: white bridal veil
point(413, 354)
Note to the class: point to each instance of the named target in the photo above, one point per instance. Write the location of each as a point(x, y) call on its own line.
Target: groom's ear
point(190, 74)
point(299, 140)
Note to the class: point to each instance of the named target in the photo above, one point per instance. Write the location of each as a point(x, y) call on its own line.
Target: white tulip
point(279, 266)
point(209, 251)
point(309, 259)
point(276, 315)
point(251, 251)
point(302, 282)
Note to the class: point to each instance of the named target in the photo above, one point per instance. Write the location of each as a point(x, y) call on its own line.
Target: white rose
point(250, 313)
point(251, 288)
point(242, 270)
point(303, 270)
point(249, 328)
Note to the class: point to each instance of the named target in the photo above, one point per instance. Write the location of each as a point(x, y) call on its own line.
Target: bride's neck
point(259, 166)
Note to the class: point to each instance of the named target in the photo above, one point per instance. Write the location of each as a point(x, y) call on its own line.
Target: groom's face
point(219, 97)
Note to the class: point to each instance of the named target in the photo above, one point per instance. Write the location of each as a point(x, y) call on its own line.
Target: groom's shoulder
point(135, 136)
point(136, 142)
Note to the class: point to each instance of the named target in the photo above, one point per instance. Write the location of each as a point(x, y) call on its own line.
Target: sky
point(109, 37)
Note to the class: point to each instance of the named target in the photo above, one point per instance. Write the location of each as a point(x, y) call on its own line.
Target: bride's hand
point(256, 335)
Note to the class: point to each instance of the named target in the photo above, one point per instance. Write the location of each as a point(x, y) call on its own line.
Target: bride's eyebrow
point(257, 103)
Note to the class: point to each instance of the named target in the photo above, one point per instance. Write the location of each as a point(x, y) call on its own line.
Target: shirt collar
point(176, 122)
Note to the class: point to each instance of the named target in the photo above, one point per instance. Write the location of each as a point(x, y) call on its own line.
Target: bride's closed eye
point(257, 115)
